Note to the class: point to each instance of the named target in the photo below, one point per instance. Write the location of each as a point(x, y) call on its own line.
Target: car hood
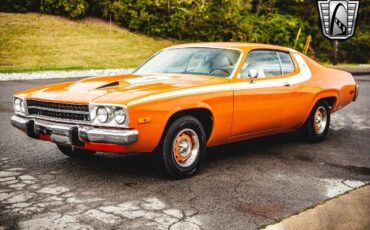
point(119, 89)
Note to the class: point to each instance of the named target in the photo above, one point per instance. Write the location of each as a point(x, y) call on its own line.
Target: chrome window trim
point(280, 63)
point(291, 59)
point(290, 52)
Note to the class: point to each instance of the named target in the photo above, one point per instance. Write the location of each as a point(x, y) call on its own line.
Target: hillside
point(41, 42)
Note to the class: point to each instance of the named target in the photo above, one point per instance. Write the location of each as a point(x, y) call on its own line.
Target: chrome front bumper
point(69, 134)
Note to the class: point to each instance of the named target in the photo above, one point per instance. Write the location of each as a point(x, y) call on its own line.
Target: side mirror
point(252, 74)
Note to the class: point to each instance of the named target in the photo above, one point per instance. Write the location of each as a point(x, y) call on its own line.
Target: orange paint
point(237, 113)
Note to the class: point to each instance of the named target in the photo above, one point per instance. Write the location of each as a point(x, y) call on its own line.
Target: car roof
point(234, 45)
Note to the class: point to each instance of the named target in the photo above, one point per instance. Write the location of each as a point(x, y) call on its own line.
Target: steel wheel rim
point(186, 147)
point(320, 119)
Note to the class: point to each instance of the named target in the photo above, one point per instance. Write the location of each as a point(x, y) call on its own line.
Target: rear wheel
point(183, 147)
point(317, 125)
point(75, 152)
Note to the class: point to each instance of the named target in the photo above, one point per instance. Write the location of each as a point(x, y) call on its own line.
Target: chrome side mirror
point(252, 74)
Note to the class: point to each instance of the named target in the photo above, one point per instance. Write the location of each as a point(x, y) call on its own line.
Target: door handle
point(286, 84)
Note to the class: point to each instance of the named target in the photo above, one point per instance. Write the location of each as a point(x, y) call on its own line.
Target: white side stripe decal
point(302, 76)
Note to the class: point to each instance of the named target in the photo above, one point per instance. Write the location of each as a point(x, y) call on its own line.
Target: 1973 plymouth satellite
point(186, 98)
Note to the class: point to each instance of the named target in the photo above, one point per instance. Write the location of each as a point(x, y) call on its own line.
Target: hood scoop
point(111, 84)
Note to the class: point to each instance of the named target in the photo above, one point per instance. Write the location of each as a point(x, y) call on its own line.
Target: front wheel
point(183, 147)
point(75, 152)
point(317, 125)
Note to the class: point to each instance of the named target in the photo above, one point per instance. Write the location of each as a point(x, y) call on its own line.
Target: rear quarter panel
point(329, 82)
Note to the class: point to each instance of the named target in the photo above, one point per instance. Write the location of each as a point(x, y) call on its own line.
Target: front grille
point(60, 111)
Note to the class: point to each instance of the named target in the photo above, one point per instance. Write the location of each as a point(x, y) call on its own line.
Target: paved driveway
point(244, 185)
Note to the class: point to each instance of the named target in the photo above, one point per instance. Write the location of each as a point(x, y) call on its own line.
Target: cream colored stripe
point(302, 76)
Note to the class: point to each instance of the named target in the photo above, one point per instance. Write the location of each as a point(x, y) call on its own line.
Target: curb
point(346, 211)
point(357, 71)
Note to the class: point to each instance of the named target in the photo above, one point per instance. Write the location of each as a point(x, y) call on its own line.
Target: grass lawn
point(43, 42)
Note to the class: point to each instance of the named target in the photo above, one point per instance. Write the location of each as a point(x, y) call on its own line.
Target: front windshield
point(195, 60)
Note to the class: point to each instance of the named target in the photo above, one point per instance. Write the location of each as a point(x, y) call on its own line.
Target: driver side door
point(261, 107)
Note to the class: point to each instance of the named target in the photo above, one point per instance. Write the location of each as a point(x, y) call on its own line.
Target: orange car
point(187, 98)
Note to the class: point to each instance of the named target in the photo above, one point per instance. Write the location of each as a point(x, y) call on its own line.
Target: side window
point(287, 64)
point(265, 62)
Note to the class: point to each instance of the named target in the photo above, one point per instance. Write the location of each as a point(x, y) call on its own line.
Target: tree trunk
point(258, 7)
point(169, 11)
point(335, 52)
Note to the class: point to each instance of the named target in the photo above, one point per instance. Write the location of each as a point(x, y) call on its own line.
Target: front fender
point(156, 114)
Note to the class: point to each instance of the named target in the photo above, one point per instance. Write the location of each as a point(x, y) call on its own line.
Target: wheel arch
point(331, 97)
point(204, 115)
point(331, 101)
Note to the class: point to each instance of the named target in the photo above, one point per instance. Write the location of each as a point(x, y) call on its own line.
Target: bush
point(356, 49)
point(276, 29)
point(70, 8)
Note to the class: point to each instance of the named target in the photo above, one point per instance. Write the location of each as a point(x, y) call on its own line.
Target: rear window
point(287, 64)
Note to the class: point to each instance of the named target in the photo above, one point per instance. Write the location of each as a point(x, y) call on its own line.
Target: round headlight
point(102, 114)
point(17, 104)
point(119, 116)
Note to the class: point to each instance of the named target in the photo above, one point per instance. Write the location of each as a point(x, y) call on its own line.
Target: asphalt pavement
point(244, 185)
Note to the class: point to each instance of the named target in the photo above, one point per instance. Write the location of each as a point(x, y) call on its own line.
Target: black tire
point(310, 130)
point(187, 127)
point(75, 152)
